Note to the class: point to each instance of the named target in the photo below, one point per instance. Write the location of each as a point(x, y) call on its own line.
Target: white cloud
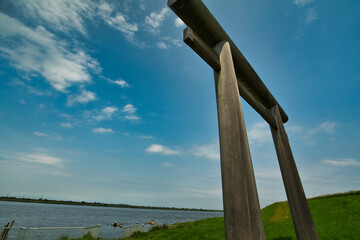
point(345, 162)
point(120, 23)
point(166, 42)
point(155, 20)
point(130, 111)
point(52, 137)
point(66, 125)
point(106, 113)
point(69, 15)
point(41, 158)
point(162, 45)
point(132, 117)
point(157, 148)
point(176, 42)
point(40, 134)
point(64, 15)
point(210, 151)
point(121, 83)
point(102, 130)
point(145, 137)
point(259, 133)
point(39, 162)
point(129, 108)
point(179, 22)
point(37, 51)
point(84, 97)
point(326, 127)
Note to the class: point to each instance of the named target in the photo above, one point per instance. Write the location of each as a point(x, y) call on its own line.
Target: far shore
point(97, 204)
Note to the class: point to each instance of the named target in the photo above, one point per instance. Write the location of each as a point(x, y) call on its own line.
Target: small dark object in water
point(115, 224)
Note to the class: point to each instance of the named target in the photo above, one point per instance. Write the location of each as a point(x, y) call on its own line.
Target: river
point(58, 215)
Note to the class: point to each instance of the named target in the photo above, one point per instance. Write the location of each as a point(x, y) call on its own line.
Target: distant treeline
point(95, 204)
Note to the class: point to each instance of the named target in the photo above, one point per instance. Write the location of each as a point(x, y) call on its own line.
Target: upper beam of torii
point(203, 33)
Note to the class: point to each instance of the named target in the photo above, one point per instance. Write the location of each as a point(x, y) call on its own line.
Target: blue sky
point(102, 101)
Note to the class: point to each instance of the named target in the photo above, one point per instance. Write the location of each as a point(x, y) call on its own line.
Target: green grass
point(335, 216)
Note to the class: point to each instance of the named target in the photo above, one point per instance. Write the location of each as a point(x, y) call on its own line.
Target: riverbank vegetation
point(96, 204)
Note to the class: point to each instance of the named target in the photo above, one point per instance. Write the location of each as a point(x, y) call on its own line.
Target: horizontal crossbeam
point(211, 58)
point(196, 16)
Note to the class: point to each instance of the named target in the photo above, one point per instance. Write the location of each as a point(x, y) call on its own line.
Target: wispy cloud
point(66, 125)
point(106, 113)
point(129, 108)
point(344, 162)
point(259, 133)
point(65, 15)
point(120, 23)
point(325, 127)
point(160, 149)
point(39, 161)
point(41, 158)
point(162, 45)
point(49, 136)
point(145, 137)
point(121, 83)
point(84, 97)
point(209, 151)
point(130, 111)
point(302, 2)
point(155, 19)
point(37, 51)
point(310, 16)
point(102, 130)
point(40, 134)
point(311, 135)
point(166, 42)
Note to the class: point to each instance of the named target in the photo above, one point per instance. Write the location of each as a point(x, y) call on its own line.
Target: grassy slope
point(336, 217)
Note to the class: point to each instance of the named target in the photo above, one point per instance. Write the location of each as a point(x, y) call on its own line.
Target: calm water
point(56, 215)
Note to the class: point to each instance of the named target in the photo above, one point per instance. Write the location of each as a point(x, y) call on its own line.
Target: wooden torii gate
point(234, 77)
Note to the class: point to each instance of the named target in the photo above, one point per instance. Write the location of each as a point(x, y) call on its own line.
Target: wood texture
point(300, 212)
point(241, 204)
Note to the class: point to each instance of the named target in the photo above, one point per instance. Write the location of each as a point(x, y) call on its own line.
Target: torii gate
point(234, 77)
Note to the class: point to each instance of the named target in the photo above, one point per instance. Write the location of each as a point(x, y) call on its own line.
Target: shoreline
point(98, 204)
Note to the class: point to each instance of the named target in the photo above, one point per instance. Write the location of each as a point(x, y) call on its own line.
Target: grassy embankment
point(336, 217)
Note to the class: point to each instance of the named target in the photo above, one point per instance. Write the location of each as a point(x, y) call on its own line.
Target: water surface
point(58, 215)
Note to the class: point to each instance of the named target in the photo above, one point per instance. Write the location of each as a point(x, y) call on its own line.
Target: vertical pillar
point(300, 212)
point(241, 205)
